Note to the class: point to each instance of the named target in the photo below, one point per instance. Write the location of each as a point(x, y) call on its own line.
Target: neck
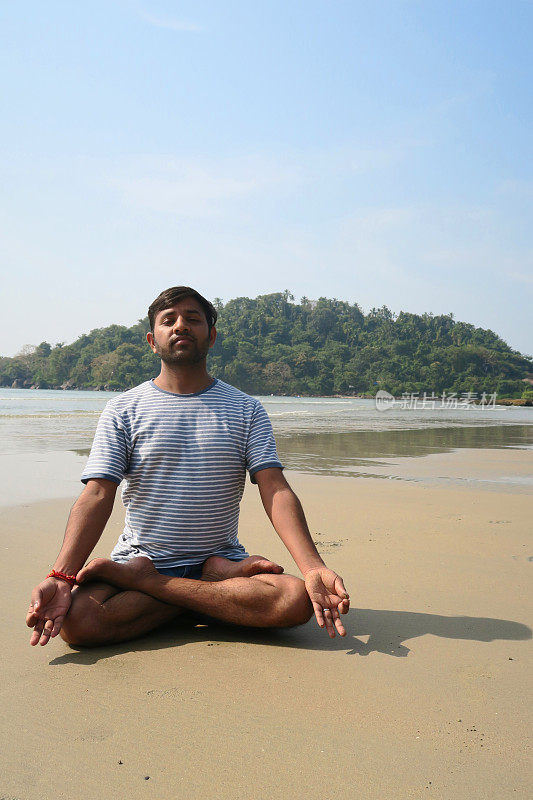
point(187, 379)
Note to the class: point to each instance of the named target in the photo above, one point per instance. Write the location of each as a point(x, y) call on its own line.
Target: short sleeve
point(109, 453)
point(261, 450)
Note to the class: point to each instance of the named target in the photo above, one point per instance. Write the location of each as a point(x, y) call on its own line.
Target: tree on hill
point(274, 345)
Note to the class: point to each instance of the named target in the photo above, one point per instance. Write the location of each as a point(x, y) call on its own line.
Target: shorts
point(193, 571)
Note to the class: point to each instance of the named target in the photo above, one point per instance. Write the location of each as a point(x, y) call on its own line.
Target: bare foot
point(217, 568)
point(125, 576)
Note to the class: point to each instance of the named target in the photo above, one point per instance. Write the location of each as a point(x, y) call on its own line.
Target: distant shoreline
point(503, 401)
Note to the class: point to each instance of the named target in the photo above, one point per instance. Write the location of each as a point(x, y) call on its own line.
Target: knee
point(83, 626)
point(295, 606)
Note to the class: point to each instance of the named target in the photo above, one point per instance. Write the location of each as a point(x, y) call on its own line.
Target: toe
point(271, 565)
point(92, 569)
point(262, 565)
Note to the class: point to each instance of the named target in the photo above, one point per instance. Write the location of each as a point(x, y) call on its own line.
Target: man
point(183, 443)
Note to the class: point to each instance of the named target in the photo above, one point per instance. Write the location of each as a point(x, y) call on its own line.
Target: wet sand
point(425, 697)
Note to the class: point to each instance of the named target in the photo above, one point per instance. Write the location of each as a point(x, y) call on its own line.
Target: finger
point(338, 624)
point(318, 614)
point(329, 623)
point(336, 604)
point(341, 604)
point(47, 630)
point(340, 588)
point(36, 635)
point(31, 617)
point(36, 598)
point(344, 606)
point(337, 621)
point(57, 626)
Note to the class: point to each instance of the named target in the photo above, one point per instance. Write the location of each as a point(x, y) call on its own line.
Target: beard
point(192, 353)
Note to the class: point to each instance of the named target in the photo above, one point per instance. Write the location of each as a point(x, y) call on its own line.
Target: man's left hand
point(329, 598)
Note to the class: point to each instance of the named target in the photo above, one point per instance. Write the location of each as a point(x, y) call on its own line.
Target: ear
point(212, 337)
point(151, 341)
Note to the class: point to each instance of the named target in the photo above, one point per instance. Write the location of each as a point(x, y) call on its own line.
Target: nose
point(180, 325)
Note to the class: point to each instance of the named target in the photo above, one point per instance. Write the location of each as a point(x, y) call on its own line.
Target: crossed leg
point(117, 602)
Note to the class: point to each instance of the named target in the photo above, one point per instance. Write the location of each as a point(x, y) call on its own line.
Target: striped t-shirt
point(183, 458)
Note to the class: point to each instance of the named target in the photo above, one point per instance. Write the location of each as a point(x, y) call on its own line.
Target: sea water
point(45, 435)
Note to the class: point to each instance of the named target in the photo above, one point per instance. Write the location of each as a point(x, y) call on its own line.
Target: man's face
point(181, 334)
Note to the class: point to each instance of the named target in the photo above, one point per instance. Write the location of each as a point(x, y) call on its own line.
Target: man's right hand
point(50, 601)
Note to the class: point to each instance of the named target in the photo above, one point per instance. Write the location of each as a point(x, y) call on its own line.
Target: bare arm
point(325, 588)
point(287, 516)
point(86, 522)
point(50, 600)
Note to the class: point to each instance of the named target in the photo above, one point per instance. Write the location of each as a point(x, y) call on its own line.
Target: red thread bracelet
point(62, 577)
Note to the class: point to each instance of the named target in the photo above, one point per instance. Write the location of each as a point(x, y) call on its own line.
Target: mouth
point(181, 340)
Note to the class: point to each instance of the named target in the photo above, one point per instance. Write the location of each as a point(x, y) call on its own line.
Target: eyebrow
point(168, 311)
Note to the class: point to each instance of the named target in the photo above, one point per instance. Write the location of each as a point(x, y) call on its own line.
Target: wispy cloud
point(171, 24)
point(517, 188)
point(197, 187)
point(522, 277)
point(202, 186)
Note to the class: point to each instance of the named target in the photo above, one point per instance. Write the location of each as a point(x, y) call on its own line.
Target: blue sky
point(375, 152)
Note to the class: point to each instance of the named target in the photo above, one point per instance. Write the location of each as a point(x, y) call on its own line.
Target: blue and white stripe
point(183, 459)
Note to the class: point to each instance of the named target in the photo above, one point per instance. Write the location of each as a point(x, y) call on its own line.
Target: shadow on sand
point(386, 631)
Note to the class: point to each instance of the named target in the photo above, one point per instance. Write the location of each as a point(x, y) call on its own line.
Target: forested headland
point(274, 345)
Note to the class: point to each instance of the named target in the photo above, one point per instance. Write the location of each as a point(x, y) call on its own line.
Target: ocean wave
point(51, 415)
point(288, 413)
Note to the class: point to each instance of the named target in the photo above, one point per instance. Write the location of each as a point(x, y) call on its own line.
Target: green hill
point(272, 345)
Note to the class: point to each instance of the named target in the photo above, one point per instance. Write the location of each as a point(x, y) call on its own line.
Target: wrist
point(63, 577)
point(307, 568)
point(67, 566)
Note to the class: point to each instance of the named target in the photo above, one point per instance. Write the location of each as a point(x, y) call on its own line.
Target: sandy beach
point(425, 697)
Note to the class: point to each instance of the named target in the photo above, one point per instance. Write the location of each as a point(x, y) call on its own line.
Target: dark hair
point(175, 294)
